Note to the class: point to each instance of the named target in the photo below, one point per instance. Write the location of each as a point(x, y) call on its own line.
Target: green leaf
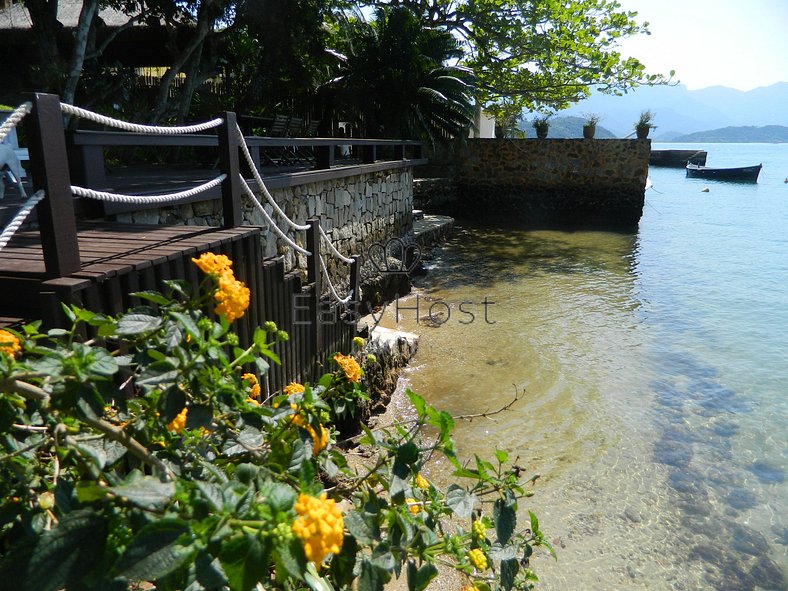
point(461, 501)
point(314, 581)
point(211, 493)
point(157, 550)
point(103, 363)
point(95, 451)
point(505, 520)
point(68, 552)
point(408, 453)
point(151, 296)
point(342, 564)
point(146, 492)
point(245, 560)
point(359, 528)
point(88, 492)
point(209, 571)
point(132, 324)
point(419, 578)
point(509, 569)
point(188, 324)
point(280, 496)
point(371, 578)
point(501, 456)
point(290, 560)
point(299, 456)
point(248, 438)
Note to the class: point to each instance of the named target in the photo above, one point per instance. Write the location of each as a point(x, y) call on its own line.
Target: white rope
point(259, 180)
point(332, 248)
point(14, 118)
point(331, 287)
point(271, 221)
point(147, 199)
point(136, 127)
point(20, 217)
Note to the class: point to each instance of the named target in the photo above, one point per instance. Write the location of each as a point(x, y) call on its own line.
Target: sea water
point(651, 371)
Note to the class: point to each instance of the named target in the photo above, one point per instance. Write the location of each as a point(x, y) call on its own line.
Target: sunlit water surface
point(653, 370)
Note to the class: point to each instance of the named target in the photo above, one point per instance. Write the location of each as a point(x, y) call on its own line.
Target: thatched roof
point(17, 17)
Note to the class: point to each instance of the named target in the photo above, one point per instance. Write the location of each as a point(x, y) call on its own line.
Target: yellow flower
point(349, 366)
point(178, 424)
point(478, 559)
point(478, 530)
point(213, 264)
point(469, 588)
point(422, 482)
point(358, 342)
point(254, 385)
point(293, 388)
point(413, 505)
point(319, 442)
point(9, 344)
point(232, 297)
point(320, 527)
point(251, 400)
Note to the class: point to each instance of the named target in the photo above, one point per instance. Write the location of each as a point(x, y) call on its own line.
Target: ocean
point(652, 376)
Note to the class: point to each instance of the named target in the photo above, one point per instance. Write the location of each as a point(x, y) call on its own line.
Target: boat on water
point(741, 173)
point(677, 158)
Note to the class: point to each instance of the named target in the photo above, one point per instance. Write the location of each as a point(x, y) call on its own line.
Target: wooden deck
point(116, 259)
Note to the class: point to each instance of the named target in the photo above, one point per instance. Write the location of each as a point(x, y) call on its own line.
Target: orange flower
point(254, 385)
point(350, 367)
point(293, 388)
point(213, 264)
point(178, 424)
point(319, 442)
point(320, 527)
point(9, 344)
point(232, 297)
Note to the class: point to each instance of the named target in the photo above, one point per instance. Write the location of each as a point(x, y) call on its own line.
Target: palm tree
point(397, 76)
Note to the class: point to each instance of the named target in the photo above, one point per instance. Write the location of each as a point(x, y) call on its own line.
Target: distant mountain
point(748, 134)
point(567, 127)
point(682, 111)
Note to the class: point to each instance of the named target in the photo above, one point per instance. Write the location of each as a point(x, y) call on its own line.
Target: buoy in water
point(704, 190)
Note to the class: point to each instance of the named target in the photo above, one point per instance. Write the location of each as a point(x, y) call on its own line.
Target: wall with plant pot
point(552, 181)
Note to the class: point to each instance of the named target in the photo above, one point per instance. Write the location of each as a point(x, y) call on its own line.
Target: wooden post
point(315, 279)
point(49, 166)
point(355, 272)
point(324, 157)
point(369, 154)
point(232, 206)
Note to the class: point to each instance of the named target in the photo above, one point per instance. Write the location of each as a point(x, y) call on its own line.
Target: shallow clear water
point(653, 369)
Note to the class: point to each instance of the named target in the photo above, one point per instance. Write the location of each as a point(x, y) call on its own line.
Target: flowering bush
point(147, 454)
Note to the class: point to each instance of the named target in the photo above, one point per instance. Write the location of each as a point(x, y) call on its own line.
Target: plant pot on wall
point(541, 132)
point(589, 131)
point(642, 131)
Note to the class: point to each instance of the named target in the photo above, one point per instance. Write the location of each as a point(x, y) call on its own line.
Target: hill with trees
point(775, 134)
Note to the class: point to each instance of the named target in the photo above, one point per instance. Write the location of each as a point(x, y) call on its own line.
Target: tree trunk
point(86, 16)
point(45, 27)
point(204, 25)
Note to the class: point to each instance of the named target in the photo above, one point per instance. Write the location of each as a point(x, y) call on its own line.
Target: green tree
point(397, 76)
point(536, 53)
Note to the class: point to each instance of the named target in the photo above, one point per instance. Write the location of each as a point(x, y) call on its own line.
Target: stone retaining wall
point(355, 212)
point(553, 181)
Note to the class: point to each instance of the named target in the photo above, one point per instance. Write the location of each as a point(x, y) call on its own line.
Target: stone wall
point(355, 211)
point(547, 182)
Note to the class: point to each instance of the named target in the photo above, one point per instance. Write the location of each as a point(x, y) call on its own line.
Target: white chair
point(11, 157)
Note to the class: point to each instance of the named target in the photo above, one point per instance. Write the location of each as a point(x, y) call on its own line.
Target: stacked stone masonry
point(355, 212)
point(554, 181)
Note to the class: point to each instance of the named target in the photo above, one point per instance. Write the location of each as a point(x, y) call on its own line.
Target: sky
point(741, 44)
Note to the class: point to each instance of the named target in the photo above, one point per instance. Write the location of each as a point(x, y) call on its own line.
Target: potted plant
point(541, 124)
point(644, 125)
point(589, 129)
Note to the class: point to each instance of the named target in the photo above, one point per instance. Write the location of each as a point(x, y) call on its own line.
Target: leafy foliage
point(144, 455)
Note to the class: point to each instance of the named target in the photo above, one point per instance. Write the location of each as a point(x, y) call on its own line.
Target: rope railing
point(333, 249)
point(20, 217)
point(14, 118)
point(344, 301)
point(271, 221)
point(136, 127)
point(147, 199)
point(259, 180)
